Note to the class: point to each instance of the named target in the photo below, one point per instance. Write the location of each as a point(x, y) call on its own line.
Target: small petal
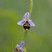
point(22, 44)
point(27, 15)
point(21, 50)
point(31, 23)
point(21, 22)
point(17, 46)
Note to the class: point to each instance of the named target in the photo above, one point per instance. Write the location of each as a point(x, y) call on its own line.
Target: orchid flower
point(20, 47)
point(26, 22)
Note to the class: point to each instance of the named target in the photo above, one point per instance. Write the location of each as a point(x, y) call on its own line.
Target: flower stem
point(31, 6)
point(26, 37)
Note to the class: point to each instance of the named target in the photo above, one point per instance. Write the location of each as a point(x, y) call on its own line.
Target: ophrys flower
point(26, 22)
point(20, 47)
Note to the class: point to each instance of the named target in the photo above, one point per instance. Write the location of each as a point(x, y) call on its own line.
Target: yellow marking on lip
point(26, 29)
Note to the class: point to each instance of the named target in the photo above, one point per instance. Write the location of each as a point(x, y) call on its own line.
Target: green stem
point(31, 6)
point(26, 37)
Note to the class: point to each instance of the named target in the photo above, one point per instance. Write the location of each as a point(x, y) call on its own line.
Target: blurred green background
point(40, 36)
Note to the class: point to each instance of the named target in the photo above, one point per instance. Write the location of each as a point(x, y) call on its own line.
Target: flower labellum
point(26, 22)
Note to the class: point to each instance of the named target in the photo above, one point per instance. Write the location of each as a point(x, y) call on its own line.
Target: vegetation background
point(40, 36)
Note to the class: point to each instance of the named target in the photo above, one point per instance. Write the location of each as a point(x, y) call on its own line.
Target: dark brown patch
point(26, 25)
